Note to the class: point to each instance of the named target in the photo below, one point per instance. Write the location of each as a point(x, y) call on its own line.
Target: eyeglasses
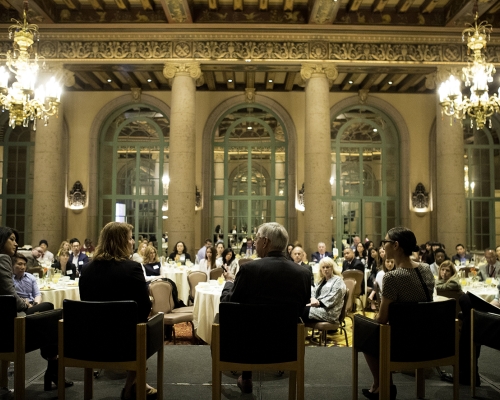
point(384, 242)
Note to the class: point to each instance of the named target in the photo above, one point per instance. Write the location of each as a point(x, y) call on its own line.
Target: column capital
point(192, 69)
point(307, 70)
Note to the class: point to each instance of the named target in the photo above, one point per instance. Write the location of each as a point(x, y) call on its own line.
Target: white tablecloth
point(486, 293)
point(206, 306)
point(57, 296)
point(179, 276)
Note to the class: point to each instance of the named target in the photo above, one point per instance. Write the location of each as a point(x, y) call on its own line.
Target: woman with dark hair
point(112, 264)
point(288, 253)
point(230, 262)
point(410, 282)
point(374, 264)
point(361, 253)
point(180, 252)
point(8, 247)
point(66, 268)
point(208, 263)
point(151, 265)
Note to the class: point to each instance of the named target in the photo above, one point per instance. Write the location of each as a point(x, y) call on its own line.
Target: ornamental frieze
point(255, 50)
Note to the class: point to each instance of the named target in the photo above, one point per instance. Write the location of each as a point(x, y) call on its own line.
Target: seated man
point(321, 253)
point(350, 262)
point(77, 258)
point(439, 257)
point(462, 257)
point(247, 250)
point(47, 255)
point(33, 257)
point(25, 283)
point(492, 267)
point(298, 257)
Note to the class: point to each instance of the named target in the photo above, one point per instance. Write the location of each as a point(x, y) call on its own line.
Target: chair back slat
point(242, 327)
point(350, 285)
point(215, 273)
point(194, 278)
point(357, 276)
point(7, 314)
point(163, 300)
point(344, 306)
point(486, 329)
point(44, 324)
point(100, 331)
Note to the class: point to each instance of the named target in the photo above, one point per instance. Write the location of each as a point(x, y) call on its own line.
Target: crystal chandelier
point(477, 74)
point(24, 103)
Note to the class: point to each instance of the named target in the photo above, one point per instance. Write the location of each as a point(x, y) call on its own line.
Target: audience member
point(269, 280)
point(439, 257)
point(25, 283)
point(208, 263)
point(298, 258)
point(151, 265)
point(327, 295)
point(321, 253)
point(229, 260)
point(181, 253)
point(409, 282)
point(497, 251)
point(201, 253)
point(67, 268)
point(138, 256)
point(350, 262)
point(289, 249)
point(355, 241)
point(492, 267)
point(247, 250)
point(33, 257)
point(361, 254)
point(462, 257)
point(448, 279)
point(219, 247)
point(111, 263)
point(47, 255)
point(77, 258)
point(64, 246)
point(88, 248)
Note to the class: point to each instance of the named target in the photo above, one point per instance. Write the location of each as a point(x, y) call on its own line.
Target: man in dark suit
point(297, 257)
point(461, 255)
point(350, 262)
point(492, 267)
point(321, 253)
point(271, 279)
point(77, 258)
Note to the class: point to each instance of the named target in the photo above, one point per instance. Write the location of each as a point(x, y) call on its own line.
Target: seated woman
point(230, 262)
point(327, 295)
point(448, 279)
point(360, 253)
point(387, 265)
point(138, 256)
point(67, 269)
point(64, 246)
point(208, 263)
point(219, 247)
point(151, 265)
point(180, 254)
point(410, 282)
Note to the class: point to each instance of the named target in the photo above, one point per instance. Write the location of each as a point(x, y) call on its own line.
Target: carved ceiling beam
point(108, 79)
point(323, 12)
point(263, 5)
point(147, 79)
point(250, 79)
point(353, 5)
point(460, 12)
point(427, 6)
point(97, 5)
point(238, 5)
point(90, 79)
point(147, 5)
point(410, 81)
point(389, 82)
point(290, 81)
point(404, 5)
point(270, 80)
point(349, 81)
point(177, 11)
point(287, 5)
point(5, 4)
point(494, 8)
point(73, 4)
point(369, 81)
point(229, 77)
point(379, 5)
point(210, 80)
point(213, 5)
point(38, 12)
point(123, 5)
point(130, 78)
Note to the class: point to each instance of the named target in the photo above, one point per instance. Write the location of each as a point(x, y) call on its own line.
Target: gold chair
point(400, 345)
point(38, 270)
point(194, 278)
point(350, 285)
point(485, 330)
point(22, 335)
point(132, 344)
point(324, 326)
point(359, 277)
point(238, 345)
point(163, 302)
point(216, 273)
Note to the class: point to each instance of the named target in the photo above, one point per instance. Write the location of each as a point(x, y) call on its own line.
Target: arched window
point(17, 152)
point(482, 185)
point(365, 174)
point(133, 182)
point(249, 172)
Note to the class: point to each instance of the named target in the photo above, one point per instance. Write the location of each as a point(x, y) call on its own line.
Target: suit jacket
point(484, 271)
point(82, 260)
point(316, 257)
point(31, 261)
point(355, 264)
point(6, 282)
point(309, 268)
point(112, 280)
point(457, 257)
point(270, 280)
point(70, 269)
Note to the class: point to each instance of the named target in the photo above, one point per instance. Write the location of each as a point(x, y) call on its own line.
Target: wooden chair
point(324, 326)
point(451, 294)
point(239, 344)
point(485, 330)
point(111, 338)
point(357, 276)
point(22, 335)
point(38, 270)
point(401, 345)
point(194, 278)
point(350, 285)
point(163, 302)
point(216, 273)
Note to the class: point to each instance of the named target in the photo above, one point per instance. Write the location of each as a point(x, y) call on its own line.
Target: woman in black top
point(151, 266)
point(66, 268)
point(180, 250)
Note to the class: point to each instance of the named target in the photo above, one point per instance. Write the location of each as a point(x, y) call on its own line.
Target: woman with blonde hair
point(447, 278)
point(151, 265)
point(112, 276)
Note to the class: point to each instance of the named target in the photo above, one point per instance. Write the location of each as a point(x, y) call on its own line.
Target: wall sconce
point(299, 203)
point(420, 200)
point(77, 197)
point(197, 201)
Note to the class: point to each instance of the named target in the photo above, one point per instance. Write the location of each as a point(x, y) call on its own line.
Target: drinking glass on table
point(488, 281)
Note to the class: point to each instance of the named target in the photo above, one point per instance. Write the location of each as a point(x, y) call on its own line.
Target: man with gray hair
point(269, 280)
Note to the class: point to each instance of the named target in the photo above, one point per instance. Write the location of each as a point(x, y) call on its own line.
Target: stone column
point(48, 178)
point(181, 193)
point(450, 197)
point(317, 197)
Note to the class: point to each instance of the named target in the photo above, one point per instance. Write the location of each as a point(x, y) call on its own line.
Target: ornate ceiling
point(376, 45)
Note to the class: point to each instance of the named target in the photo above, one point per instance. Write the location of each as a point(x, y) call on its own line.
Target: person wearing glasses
point(410, 282)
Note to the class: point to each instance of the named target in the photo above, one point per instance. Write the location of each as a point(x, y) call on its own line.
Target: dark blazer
point(111, 280)
point(70, 267)
point(355, 264)
point(270, 280)
point(309, 268)
point(82, 260)
point(457, 257)
point(172, 256)
point(316, 257)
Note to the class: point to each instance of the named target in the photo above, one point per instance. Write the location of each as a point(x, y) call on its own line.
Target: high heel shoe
point(374, 396)
point(51, 377)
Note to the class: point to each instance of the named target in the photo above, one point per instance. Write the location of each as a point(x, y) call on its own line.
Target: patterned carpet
point(184, 335)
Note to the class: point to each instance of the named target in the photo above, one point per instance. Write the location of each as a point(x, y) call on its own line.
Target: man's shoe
point(245, 385)
point(447, 377)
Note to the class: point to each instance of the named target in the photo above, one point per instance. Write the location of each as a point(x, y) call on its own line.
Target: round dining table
point(58, 294)
point(179, 276)
point(485, 292)
point(206, 306)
